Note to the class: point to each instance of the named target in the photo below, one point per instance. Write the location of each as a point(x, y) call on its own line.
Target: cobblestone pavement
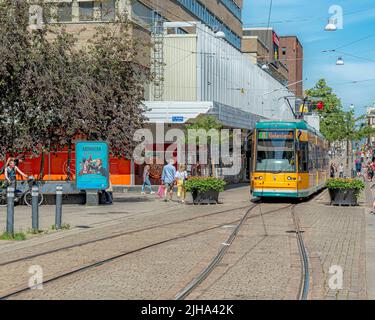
point(155, 273)
point(335, 236)
point(262, 263)
point(11, 276)
point(125, 208)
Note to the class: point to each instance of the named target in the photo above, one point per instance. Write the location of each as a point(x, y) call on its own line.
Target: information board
point(92, 165)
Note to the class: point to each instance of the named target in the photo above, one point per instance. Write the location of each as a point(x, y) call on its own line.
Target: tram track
point(214, 262)
point(20, 290)
point(305, 274)
point(114, 236)
point(121, 234)
point(305, 268)
point(16, 291)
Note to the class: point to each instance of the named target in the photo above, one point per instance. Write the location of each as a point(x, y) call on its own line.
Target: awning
point(180, 112)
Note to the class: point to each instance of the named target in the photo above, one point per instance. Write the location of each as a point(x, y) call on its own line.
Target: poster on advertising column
point(92, 165)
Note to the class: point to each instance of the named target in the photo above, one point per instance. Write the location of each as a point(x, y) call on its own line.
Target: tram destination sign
point(285, 135)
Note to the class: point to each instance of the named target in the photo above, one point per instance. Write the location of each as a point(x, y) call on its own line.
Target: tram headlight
point(290, 178)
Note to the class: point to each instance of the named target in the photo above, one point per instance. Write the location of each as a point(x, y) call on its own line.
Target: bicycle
point(22, 196)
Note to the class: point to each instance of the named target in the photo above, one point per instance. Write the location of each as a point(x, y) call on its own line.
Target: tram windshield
point(275, 152)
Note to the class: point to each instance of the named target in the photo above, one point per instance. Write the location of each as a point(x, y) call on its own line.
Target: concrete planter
point(208, 197)
point(343, 197)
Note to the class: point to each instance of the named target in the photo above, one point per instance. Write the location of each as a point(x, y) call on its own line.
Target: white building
point(371, 123)
point(205, 74)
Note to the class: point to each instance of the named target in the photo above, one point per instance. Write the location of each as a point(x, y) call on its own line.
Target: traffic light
point(320, 105)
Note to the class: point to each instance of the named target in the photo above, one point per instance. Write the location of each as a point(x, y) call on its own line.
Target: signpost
point(178, 119)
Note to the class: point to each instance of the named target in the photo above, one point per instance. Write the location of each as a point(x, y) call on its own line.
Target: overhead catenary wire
point(299, 20)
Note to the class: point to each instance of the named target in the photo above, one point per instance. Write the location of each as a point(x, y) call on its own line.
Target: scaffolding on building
point(158, 64)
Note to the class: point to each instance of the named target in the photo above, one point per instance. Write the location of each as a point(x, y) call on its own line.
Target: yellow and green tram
point(289, 159)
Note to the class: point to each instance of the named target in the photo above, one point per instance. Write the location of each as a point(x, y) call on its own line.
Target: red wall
point(55, 165)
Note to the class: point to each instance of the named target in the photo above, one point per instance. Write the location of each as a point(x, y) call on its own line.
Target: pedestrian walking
point(181, 177)
point(169, 177)
point(146, 180)
point(333, 170)
point(370, 171)
point(341, 171)
point(358, 167)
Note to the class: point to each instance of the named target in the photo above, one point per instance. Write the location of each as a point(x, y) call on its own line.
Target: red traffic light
point(320, 105)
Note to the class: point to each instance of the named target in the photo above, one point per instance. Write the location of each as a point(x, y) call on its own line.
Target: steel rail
point(117, 235)
point(215, 261)
point(305, 271)
point(113, 258)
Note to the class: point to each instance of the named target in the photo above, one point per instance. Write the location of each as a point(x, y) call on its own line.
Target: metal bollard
point(35, 208)
point(10, 210)
point(58, 216)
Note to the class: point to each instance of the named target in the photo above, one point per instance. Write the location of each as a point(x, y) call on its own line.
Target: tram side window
point(303, 157)
point(311, 156)
point(318, 157)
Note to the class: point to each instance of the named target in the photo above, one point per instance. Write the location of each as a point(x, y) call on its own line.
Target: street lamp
point(330, 26)
point(220, 35)
point(340, 62)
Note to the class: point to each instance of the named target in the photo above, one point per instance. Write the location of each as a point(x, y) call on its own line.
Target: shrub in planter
point(205, 190)
point(345, 191)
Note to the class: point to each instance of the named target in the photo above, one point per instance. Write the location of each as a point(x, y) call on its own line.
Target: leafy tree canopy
point(337, 124)
point(53, 91)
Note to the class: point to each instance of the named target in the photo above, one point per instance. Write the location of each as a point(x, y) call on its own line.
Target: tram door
point(249, 155)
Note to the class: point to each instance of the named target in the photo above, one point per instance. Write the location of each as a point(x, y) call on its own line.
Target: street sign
point(177, 119)
point(92, 165)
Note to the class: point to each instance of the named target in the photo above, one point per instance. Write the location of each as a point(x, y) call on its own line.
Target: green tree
point(53, 91)
point(205, 123)
point(332, 115)
point(15, 47)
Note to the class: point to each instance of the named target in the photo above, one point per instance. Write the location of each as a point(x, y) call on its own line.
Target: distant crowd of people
point(169, 179)
point(364, 165)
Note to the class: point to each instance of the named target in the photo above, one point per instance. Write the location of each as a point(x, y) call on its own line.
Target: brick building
point(291, 53)
point(223, 15)
point(267, 43)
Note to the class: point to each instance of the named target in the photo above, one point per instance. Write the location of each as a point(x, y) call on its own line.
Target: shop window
point(86, 11)
point(108, 10)
point(64, 12)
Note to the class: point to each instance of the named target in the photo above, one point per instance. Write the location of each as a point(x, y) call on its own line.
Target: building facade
point(202, 67)
point(291, 54)
point(255, 49)
point(371, 123)
point(269, 51)
point(221, 15)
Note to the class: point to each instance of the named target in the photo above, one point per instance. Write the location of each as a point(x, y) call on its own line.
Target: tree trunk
point(68, 173)
point(41, 171)
point(348, 157)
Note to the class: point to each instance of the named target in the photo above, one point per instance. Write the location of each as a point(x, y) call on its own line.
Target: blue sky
point(307, 19)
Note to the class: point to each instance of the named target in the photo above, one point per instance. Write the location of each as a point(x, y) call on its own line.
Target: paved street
point(160, 247)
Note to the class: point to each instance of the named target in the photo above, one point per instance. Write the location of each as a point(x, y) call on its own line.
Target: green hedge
point(203, 184)
point(346, 184)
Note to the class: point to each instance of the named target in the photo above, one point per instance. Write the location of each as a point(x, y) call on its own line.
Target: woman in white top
point(181, 177)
